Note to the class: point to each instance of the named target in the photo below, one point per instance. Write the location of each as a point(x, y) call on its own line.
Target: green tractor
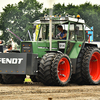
point(51, 60)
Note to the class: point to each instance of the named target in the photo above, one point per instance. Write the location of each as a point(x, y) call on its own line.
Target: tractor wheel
point(91, 66)
point(55, 69)
point(77, 77)
point(13, 79)
point(44, 70)
point(61, 69)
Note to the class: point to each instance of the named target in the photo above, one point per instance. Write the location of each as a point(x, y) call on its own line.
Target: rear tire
point(77, 77)
point(91, 66)
point(49, 69)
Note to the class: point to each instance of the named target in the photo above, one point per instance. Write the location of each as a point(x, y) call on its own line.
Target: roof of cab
point(58, 20)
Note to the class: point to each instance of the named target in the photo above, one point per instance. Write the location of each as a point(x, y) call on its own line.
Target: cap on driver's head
point(59, 26)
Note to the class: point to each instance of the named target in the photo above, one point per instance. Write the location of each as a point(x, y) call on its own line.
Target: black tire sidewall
point(92, 51)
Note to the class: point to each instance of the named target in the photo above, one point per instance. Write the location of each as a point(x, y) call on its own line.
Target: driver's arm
point(63, 36)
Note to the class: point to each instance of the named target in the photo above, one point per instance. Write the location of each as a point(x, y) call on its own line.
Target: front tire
point(55, 69)
point(61, 69)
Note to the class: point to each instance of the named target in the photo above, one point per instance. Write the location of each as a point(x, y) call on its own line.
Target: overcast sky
point(3, 3)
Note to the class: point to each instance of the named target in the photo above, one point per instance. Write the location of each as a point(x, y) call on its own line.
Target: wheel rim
point(94, 66)
point(63, 69)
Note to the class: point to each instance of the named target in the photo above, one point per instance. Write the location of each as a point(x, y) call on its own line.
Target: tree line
point(18, 17)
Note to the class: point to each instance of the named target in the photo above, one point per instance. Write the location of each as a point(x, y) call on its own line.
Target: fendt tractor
point(51, 60)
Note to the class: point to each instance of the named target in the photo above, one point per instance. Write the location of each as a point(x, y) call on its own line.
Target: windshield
point(56, 34)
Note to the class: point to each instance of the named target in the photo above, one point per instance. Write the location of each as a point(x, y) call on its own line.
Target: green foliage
point(18, 17)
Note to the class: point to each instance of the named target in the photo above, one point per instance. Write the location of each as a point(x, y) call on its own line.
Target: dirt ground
point(38, 91)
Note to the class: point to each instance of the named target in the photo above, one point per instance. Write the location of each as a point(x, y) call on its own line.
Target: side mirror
point(76, 30)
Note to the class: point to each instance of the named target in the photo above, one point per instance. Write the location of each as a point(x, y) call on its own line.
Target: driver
point(63, 32)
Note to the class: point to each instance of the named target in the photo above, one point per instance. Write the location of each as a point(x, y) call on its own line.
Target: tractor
point(51, 60)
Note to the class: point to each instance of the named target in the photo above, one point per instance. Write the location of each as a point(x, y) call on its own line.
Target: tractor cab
point(73, 26)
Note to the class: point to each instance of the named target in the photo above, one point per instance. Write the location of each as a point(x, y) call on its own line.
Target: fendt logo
point(11, 60)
